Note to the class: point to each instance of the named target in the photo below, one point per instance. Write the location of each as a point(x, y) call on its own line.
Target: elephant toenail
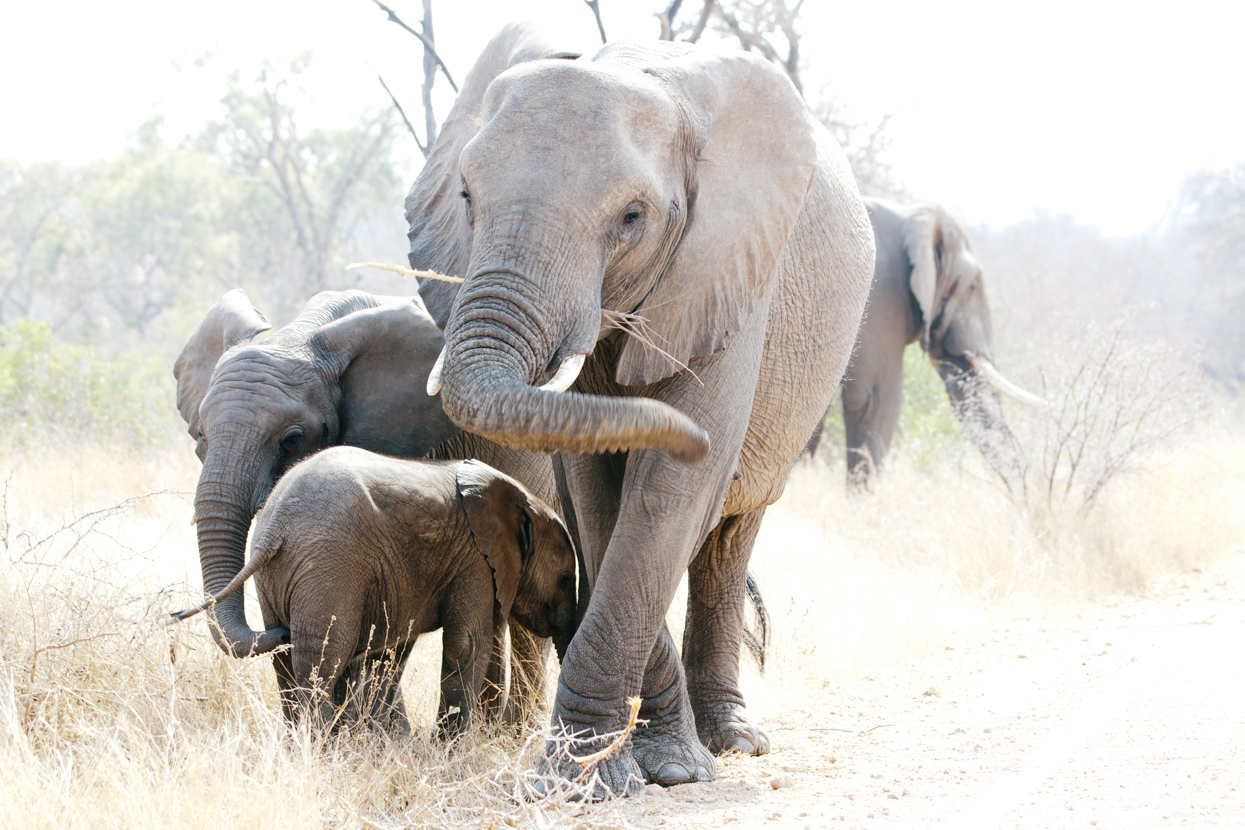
point(740, 744)
point(702, 774)
point(671, 774)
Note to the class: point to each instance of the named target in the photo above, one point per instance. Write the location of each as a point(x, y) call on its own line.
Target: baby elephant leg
point(384, 679)
point(466, 643)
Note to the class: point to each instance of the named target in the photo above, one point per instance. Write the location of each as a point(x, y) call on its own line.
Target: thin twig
point(409, 126)
point(406, 272)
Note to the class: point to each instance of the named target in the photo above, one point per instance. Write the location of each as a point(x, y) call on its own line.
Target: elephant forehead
point(281, 381)
point(574, 103)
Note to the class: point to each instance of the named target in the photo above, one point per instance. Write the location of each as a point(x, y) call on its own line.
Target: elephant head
point(528, 549)
point(946, 282)
point(658, 183)
point(350, 369)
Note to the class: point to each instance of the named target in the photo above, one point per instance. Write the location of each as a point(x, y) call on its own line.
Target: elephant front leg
point(466, 642)
point(622, 647)
point(713, 634)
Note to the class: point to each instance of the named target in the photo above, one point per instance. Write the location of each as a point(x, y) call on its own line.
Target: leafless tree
point(432, 63)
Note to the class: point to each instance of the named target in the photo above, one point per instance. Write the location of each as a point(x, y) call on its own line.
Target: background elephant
point(351, 369)
point(357, 554)
point(927, 286)
point(666, 232)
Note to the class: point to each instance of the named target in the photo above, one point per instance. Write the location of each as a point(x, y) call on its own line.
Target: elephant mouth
point(563, 379)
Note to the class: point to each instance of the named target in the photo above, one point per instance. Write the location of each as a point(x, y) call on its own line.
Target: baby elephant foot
point(726, 727)
point(560, 771)
point(672, 756)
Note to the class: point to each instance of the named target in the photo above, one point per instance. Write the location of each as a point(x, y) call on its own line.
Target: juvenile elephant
point(668, 234)
point(357, 554)
point(350, 369)
point(927, 287)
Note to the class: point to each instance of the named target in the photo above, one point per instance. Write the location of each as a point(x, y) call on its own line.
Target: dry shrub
point(110, 719)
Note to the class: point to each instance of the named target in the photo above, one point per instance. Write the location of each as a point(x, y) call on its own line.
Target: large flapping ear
point(231, 321)
point(933, 241)
point(381, 358)
point(498, 511)
point(757, 154)
point(439, 234)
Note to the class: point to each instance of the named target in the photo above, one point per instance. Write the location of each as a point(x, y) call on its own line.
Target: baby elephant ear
point(231, 321)
point(498, 511)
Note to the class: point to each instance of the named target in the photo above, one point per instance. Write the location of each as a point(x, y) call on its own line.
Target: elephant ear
point(753, 168)
point(231, 321)
point(381, 358)
point(935, 243)
point(499, 512)
point(439, 234)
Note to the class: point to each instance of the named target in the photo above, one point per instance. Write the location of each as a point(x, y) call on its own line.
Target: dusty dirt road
point(1129, 714)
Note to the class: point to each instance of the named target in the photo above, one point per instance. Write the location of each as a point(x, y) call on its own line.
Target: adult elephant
point(667, 233)
point(350, 369)
point(927, 287)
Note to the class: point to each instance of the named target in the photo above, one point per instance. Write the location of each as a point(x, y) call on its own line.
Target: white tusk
point(566, 374)
point(434, 377)
point(986, 369)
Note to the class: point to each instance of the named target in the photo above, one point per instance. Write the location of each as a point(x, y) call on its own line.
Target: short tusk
point(566, 374)
point(982, 366)
point(434, 377)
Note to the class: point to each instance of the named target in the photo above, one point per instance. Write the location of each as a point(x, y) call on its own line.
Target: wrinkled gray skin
point(693, 189)
point(350, 369)
point(357, 554)
point(948, 315)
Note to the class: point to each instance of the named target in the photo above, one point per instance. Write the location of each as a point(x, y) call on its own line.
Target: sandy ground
point(1128, 714)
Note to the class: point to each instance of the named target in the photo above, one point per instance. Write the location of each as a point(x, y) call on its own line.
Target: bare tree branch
point(427, 43)
point(666, 19)
point(430, 76)
point(705, 13)
point(595, 5)
point(409, 126)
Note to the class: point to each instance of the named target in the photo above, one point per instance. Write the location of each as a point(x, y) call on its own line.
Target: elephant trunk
point(493, 353)
point(975, 402)
point(224, 505)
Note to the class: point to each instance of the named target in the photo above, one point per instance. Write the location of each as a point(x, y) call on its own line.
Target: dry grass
point(109, 719)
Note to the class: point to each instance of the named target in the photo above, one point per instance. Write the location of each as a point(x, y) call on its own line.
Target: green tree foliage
point(52, 388)
point(127, 253)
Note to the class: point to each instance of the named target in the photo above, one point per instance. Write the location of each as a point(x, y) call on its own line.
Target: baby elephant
point(356, 554)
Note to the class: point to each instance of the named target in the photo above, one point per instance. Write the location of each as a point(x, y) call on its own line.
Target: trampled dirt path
point(1124, 715)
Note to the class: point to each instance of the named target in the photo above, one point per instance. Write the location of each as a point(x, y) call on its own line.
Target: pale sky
point(1096, 109)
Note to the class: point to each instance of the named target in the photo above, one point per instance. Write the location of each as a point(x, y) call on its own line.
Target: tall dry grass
point(109, 719)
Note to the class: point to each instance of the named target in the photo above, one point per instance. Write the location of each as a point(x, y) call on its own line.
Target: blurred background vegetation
point(105, 268)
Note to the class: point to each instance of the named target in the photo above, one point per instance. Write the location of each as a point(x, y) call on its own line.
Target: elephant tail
point(246, 641)
point(757, 641)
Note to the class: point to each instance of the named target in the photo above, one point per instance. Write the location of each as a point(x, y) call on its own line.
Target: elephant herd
point(665, 265)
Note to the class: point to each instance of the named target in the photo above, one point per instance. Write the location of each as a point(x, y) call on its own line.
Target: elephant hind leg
point(714, 633)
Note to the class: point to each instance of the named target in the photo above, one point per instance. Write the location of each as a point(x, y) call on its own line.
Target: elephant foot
point(725, 727)
point(561, 771)
point(671, 758)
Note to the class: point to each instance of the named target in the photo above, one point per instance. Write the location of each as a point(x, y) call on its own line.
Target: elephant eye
point(291, 443)
point(632, 217)
point(466, 196)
